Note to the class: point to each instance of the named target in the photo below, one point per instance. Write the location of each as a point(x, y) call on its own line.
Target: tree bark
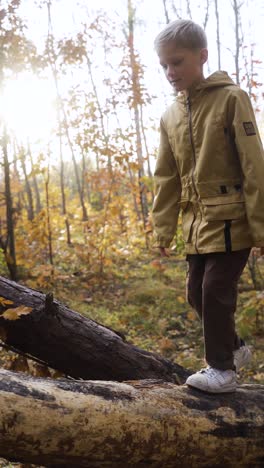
point(30, 206)
point(138, 424)
point(218, 35)
point(34, 180)
point(136, 99)
point(236, 8)
point(74, 344)
point(9, 246)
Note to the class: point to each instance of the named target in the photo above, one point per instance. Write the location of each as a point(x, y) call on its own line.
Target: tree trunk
point(166, 11)
point(49, 230)
point(150, 175)
point(136, 97)
point(76, 345)
point(34, 180)
point(138, 424)
point(9, 248)
point(104, 135)
point(236, 9)
point(62, 183)
point(52, 62)
point(30, 207)
point(218, 35)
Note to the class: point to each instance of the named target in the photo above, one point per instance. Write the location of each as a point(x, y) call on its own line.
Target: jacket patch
point(249, 128)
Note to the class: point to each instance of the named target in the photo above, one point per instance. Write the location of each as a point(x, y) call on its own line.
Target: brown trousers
point(212, 291)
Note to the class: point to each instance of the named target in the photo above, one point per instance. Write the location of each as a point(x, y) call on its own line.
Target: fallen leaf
point(4, 301)
point(16, 312)
point(181, 299)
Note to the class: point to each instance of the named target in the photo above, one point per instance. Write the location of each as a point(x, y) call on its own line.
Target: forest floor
point(144, 298)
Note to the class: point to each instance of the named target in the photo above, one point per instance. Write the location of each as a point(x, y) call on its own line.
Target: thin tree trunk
point(147, 151)
point(17, 180)
point(103, 131)
point(55, 77)
point(10, 250)
point(130, 173)
point(236, 9)
point(62, 186)
point(49, 230)
point(132, 183)
point(175, 10)
point(218, 35)
point(76, 170)
point(135, 91)
point(166, 11)
point(35, 182)
point(189, 11)
point(30, 208)
point(206, 18)
point(138, 424)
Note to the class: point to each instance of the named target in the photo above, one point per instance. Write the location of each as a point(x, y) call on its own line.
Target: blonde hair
point(184, 33)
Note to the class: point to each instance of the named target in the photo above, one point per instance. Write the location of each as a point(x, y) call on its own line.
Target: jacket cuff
point(161, 241)
point(259, 243)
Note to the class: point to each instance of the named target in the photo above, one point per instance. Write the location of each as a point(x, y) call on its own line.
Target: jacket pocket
point(223, 208)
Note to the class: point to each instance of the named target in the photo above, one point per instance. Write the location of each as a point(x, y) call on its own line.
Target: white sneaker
point(213, 380)
point(242, 356)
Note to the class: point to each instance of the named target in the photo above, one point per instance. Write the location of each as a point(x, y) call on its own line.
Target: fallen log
point(76, 345)
point(140, 424)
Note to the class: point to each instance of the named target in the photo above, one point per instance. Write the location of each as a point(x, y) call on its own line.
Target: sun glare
point(28, 108)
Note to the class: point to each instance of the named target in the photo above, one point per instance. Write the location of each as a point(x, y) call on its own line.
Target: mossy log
point(76, 345)
point(137, 423)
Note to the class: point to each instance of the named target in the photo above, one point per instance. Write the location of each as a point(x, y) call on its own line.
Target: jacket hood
point(217, 79)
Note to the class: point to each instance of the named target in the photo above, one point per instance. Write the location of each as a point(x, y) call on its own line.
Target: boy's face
point(183, 67)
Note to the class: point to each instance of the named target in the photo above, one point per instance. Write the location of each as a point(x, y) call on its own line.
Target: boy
point(211, 166)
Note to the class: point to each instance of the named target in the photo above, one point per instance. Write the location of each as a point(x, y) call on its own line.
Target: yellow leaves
point(181, 299)
point(115, 210)
point(4, 301)
point(191, 315)
point(16, 312)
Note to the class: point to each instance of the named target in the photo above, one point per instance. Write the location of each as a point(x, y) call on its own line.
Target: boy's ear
point(203, 56)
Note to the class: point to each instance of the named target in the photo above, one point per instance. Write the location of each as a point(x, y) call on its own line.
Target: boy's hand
point(164, 253)
point(258, 251)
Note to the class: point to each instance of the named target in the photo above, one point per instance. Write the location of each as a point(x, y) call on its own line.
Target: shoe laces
point(215, 374)
point(209, 371)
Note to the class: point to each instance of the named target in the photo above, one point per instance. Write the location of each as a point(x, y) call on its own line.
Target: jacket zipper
point(194, 162)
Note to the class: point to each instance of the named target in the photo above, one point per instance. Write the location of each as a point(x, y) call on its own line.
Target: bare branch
point(189, 12)
point(175, 10)
point(166, 11)
point(206, 14)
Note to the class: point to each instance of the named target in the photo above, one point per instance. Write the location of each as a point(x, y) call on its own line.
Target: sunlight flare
point(28, 107)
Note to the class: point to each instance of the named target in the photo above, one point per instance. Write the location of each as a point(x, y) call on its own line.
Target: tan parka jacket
point(210, 165)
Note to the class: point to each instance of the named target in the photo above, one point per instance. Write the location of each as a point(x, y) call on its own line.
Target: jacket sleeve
point(167, 192)
point(251, 155)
